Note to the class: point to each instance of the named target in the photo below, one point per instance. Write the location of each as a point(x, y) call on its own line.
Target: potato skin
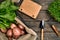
point(13, 25)
point(9, 33)
point(3, 30)
point(21, 27)
point(16, 32)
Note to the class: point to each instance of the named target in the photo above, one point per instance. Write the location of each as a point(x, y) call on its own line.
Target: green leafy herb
point(54, 9)
point(7, 13)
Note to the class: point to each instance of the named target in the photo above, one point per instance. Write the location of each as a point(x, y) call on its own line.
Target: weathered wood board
point(34, 24)
point(30, 8)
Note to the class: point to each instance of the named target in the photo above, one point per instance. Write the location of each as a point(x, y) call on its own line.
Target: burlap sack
point(16, 1)
point(31, 34)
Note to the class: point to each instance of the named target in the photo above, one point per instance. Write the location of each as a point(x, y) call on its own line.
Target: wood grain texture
point(30, 8)
point(34, 23)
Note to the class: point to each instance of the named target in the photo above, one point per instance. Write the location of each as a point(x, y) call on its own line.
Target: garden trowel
point(42, 24)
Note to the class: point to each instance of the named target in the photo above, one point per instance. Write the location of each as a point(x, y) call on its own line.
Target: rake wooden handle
point(42, 34)
point(55, 30)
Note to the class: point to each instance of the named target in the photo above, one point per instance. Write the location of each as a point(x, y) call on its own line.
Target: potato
point(13, 25)
point(4, 30)
point(21, 27)
point(16, 32)
point(23, 32)
point(9, 33)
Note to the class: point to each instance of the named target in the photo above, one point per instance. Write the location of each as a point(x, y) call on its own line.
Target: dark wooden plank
point(34, 23)
point(42, 15)
point(44, 3)
point(35, 26)
point(48, 36)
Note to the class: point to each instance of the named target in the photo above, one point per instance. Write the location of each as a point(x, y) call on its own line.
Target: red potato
point(23, 32)
point(4, 30)
point(15, 37)
point(13, 25)
point(16, 32)
point(9, 38)
point(21, 27)
point(9, 33)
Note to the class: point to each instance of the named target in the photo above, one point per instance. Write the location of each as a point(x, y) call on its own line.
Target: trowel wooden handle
point(55, 30)
point(42, 34)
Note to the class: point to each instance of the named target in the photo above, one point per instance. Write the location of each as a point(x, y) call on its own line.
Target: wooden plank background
point(43, 14)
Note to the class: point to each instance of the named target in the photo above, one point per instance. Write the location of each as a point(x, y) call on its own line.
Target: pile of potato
point(15, 31)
